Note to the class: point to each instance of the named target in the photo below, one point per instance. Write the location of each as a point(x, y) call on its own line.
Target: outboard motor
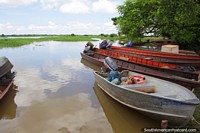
point(114, 75)
point(103, 44)
point(91, 46)
point(86, 49)
point(88, 46)
point(110, 63)
point(110, 43)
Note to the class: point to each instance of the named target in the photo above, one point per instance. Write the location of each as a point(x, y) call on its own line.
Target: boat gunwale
point(158, 54)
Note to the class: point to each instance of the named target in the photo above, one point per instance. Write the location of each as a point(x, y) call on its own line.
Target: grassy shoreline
point(15, 42)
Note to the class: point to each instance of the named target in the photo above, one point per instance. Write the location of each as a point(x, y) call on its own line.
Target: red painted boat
point(159, 66)
point(4, 87)
point(97, 59)
point(181, 59)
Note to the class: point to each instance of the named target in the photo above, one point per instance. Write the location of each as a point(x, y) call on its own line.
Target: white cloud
point(66, 117)
point(49, 7)
point(86, 6)
point(52, 25)
point(54, 28)
point(68, 6)
point(16, 2)
point(49, 4)
point(74, 7)
point(104, 6)
point(49, 1)
point(26, 96)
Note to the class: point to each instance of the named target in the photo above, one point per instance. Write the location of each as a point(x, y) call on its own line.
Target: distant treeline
point(34, 35)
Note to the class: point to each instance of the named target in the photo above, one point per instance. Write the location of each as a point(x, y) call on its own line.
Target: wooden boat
point(6, 76)
point(188, 52)
point(4, 87)
point(98, 59)
point(180, 59)
point(169, 101)
point(5, 67)
point(159, 66)
point(8, 105)
point(182, 56)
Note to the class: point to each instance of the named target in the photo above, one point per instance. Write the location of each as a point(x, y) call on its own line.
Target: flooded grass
point(197, 112)
point(15, 42)
point(195, 122)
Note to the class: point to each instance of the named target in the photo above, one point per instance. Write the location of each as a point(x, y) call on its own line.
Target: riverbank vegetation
point(19, 40)
point(178, 20)
point(197, 112)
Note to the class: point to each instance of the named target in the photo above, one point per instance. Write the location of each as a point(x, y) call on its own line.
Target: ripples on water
point(56, 94)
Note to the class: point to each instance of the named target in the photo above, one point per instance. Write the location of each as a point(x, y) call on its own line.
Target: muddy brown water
point(54, 92)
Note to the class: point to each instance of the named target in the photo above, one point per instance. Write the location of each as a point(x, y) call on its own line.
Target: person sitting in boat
point(114, 77)
point(111, 68)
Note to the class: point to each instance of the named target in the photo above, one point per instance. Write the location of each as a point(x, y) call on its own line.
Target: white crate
point(170, 49)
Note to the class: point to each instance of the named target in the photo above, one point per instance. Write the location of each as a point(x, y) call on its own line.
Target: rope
point(193, 119)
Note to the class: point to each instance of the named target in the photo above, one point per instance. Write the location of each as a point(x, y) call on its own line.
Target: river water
point(55, 92)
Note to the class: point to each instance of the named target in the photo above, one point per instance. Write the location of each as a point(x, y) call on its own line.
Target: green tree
point(113, 35)
point(137, 17)
point(179, 19)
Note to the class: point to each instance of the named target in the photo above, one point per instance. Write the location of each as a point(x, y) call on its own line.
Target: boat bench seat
point(150, 89)
point(124, 58)
point(141, 87)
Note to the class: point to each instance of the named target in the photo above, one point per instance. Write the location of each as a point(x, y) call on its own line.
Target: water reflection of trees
point(8, 105)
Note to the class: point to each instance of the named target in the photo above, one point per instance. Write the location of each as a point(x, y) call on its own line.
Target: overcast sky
point(58, 16)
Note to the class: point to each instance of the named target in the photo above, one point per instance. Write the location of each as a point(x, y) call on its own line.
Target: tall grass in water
point(15, 42)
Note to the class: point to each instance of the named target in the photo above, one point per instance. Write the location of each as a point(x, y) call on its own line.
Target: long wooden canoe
point(180, 59)
point(98, 59)
point(183, 56)
point(159, 66)
point(169, 101)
